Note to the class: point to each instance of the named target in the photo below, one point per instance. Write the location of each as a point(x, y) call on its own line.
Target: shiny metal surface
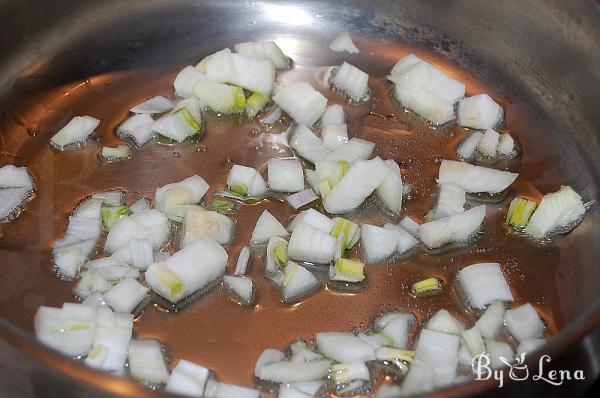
point(506, 44)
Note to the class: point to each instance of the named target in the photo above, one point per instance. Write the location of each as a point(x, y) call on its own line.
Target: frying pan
point(539, 58)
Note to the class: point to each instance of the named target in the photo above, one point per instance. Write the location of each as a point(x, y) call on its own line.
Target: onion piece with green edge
point(276, 258)
point(285, 175)
point(347, 270)
point(450, 201)
point(120, 152)
point(467, 148)
point(246, 181)
point(266, 227)
point(475, 179)
point(456, 228)
point(251, 73)
point(395, 327)
point(242, 261)
point(488, 145)
point(187, 378)
point(256, 102)
point(342, 373)
point(297, 282)
point(479, 112)
point(378, 243)
point(483, 284)
point(344, 347)
point(524, 323)
point(264, 49)
point(185, 81)
point(390, 191)
point(293, 372)
point(334, 136)
point(126, 295)
point(158, 104)
point(137, 128)
point(187, 271)
point(146, 362)
point(334, 114)
point(76, 131)
point(188, 191)
point(352, 81)
point(361, 179)
point(216, 389)
point(111, 341)
point(427, 287)
point(506, 145)
point(310, 244)
point(221, 98)
point(302, 102)
point(330, 172)
point(394, 354)
point(353, 150)
point(490, 322)
point(301, 198)
point(443, 321)
point(558, 212)
point(202, 224)
point(406, 241)
point(242, 287)
point(222, 206)
point(184, 121)
point(500, 353)
point(307, 144)
point(315, 219)
point(111, 214)
point(343, 42)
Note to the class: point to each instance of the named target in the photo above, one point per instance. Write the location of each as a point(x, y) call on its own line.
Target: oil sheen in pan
point(214, 330)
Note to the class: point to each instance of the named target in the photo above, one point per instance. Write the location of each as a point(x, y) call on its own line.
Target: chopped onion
point(297, 282)
point(467, 148)
point(158, 104)
point(334, 136)
point(76, 131)
point(334, 114)
point(185, 192)
point(343, 42)
point(352, 81)
point(246, 181)
point(242, 261)
point(506, 145)
point(125, 295)
point(348, 230)
point(111, 214)
point(146, 362)
point(302, 102)
point(451, 201)
point(202, 224)
point(252, 73)
point(395, 327)
point(378, 243)
point(456, 228)
point(390, 191)
point(111, 341)
point(302, 198)
point(558, 211)
point(519, 212)
point(138, 128)
point(524, 323)
point(110, 198)
point(473, 341)
point(184, 121)
point(315, 219)
point(289, 392)
point(136, 253)
point(220, 97)
point(285, 175)
point(488, 145)
point(15, 177)
point(188, 270)
point(443, 321)
point(187, 378)
point(344, 347)
point(91, 281)
point(185, 81)
point(427, 287)
point(347, 270)
point(375, 341)
point(293, 372)
point(529, 346)
point(277, 257)
point(358, 183)
point(474, 178)
point(484, 283)
point(272, 117)
point(310, 244)
point(242, 286)
point(301, 352)
point(438, 351)
point(308, 145)
point(345, 372)
point(268, 356)
point(256, 102)
point(479, 112)
point(313, 180)
point(215, 389)
point(95, 299)
point(354, 149)
point(490, 322)
point(11, 200)
point(410, 226)
point(500, 353)
point(266, 227)
point(266, 49)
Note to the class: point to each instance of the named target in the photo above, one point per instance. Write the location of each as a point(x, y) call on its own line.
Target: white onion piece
point(388, 391)
point(136, 253)
point(185, 81)
point(479, 112)
point(242, 286)
point(146, 362)
point(266, 49)
point(252, 73)
point(201, 224)
point(410, 226)
point(308, 387)
point(499, 352)
point(354, 149)
point(357, 184)
point(242, 261)
point(302, 198)
point(155, 226)
point(268, 356)
point(313, 180)
point(15, 186)
point(293, 372)
point(465, 358)
point(528, 346)
point(188, 270)
point(378, 243)
point(308, 145)
point(475, 178)
point(266, 227)
point(215, 389)
point(375, 341)
point(301, 352)
point(187, 378)
point(524, 323)
point(11, 199)
point(484, 283)
point(404, 64)
point(272, 265)
point(15, 177)
point(443, 321)
point(451, 201)
point(138, 128)
point(272, 117)
point(467, 148)
point(302, 102)
point(334, 136)
point(125, 295)
point(344, 347)
point(334, 114)
point(343, 42)
point(289, 392)
point(110, 198)
point(76, 131)
point(285, 175)
point(220, 97)
point(111, 341)
point(395, 326)
point(117, 272)
point(313, 218)
point(488, 145)
point(158, 104)
point(473, 341)
point(310, 244)
point(506, 145)
point(557, 212)
point(184, 121)
point(185, 192)
point(490, 322)
point(346, 372)
point(456, 228)
point(390, 191)
point(91, 281)
point(246, 180)
point(352, 81)
point(298, 282)
point(439, 352)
